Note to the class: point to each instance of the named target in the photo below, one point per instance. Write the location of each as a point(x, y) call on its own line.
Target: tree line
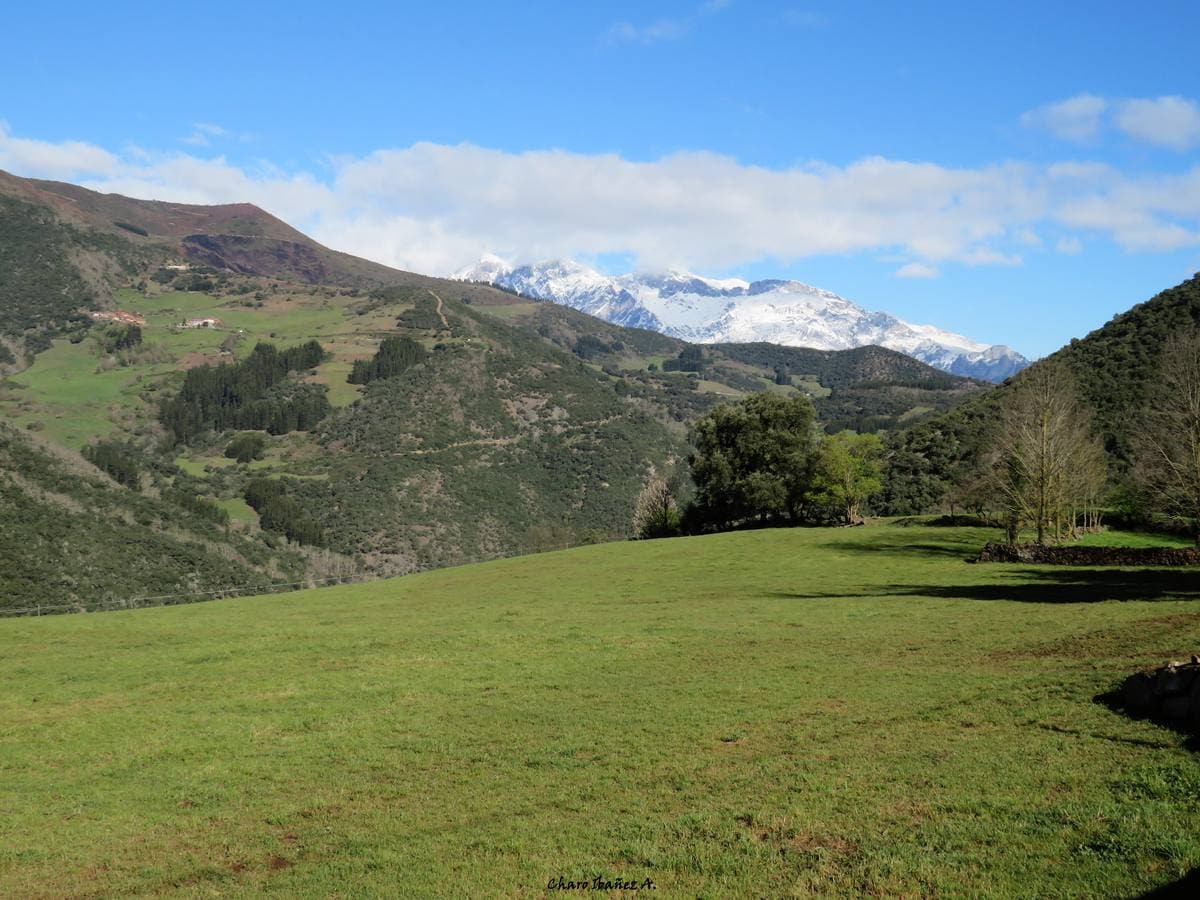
point(764, 461)
point(255, 395)
point(1046, 467)
point(1042, 468)
point(394, 356)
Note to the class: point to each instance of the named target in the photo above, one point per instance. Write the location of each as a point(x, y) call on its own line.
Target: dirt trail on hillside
point(440, 308)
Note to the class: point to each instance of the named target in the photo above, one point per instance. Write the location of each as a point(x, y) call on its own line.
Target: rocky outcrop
point(251, 255)
point(1068, 555)
point(1171, 692)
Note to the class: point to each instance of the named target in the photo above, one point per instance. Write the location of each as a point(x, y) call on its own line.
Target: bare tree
point(655, 514)
point(1049, 465)
point(1168, 446)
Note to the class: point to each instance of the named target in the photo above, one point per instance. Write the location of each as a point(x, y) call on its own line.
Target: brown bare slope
point(239, 237)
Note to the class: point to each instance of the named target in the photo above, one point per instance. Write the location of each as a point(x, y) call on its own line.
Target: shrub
point(246, 447)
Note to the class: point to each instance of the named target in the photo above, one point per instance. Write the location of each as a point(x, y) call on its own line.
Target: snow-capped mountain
point(709, 311)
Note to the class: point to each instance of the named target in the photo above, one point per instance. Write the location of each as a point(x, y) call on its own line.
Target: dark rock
point(1169, 682)
point(1170, 692)
point(1175, 707)
point(1137, 693)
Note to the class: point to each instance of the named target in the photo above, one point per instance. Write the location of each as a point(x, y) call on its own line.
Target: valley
point(701, 450)
point(526, 426)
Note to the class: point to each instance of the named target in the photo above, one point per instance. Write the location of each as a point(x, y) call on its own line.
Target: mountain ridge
point(712, 311)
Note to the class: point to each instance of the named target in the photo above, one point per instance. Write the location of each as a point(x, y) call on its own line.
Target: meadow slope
point(840, 712)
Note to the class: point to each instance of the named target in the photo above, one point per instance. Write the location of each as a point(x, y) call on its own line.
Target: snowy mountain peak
point(489, 270)
point(711, 310)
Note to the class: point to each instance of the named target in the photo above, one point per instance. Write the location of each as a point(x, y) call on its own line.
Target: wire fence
point(53, 609)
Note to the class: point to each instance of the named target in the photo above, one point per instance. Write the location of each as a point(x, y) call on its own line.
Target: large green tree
point(754, 461)
point(849, 470)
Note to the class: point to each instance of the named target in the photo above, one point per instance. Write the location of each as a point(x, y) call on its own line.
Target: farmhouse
point(201, 323)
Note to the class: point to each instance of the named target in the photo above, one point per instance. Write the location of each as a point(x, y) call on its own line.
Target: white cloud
point(44, 159)
point(436, 208)
point(1027, 237)
point(663, 29)
point(1075, 119)
point(1172, 122)
point(1069, 246)
point(655, 32)
point(204, 134)
point(916, 270)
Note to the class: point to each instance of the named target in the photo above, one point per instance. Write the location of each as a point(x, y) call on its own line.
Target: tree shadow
point(1186, 887)
point(967, 551)
point(1074, 585)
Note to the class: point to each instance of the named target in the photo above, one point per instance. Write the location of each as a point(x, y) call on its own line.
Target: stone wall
point(1172, 692)
point(1071, 555)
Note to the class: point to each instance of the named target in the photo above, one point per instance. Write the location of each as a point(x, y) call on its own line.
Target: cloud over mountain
point(436, 207)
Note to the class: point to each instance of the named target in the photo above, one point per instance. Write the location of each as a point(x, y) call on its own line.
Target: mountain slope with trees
point(1115, 370)
point(71, 535)
point(406, 422)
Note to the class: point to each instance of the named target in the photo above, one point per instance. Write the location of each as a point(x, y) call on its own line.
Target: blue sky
point(1018, 173)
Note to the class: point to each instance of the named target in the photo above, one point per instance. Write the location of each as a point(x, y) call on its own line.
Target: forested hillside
point(71, 535)
point(1113, 368)
point(52, 271)
point(867, 388)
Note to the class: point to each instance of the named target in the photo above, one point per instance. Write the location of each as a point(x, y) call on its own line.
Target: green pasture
point(282, 320)
point(512, 311)
point(239, 511)
point(1134, 539)
point(830, 712)
point(66, 396)
point(812, 387)
point(715, 387)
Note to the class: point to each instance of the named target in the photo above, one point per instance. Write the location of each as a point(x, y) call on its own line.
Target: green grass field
point(839, 712)
point(66, 397)
point(239, 511)
point(1133, 539)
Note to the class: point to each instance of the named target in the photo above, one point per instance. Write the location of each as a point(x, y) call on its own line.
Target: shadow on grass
point(1188, 886)
point(964, 550)
point(1040, 586)
point(1112, 700)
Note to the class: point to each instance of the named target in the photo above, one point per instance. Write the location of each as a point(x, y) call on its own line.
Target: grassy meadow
point(71, 399)
point(834, 712)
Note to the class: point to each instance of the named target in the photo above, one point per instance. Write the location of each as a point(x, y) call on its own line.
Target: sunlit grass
point(1116, 538)
point(839, 712)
